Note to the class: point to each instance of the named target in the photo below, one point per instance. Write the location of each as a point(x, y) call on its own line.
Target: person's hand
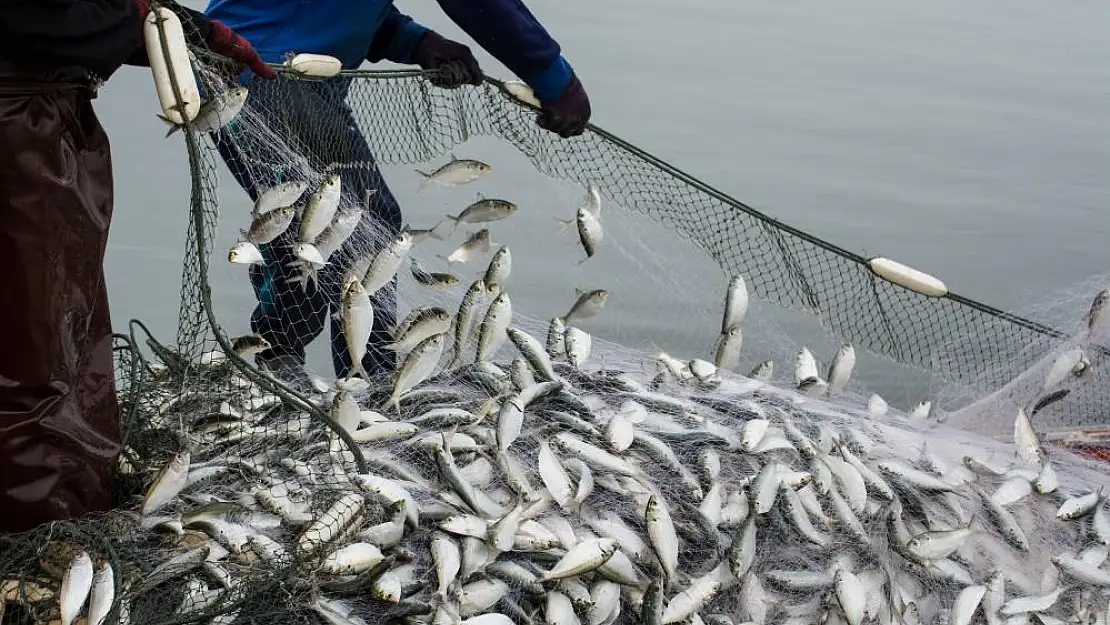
point(453, 62)
point(568, 114)
point(226, 42)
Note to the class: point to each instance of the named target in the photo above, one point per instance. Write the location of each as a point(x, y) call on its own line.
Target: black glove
point(568, 114)
point(453, 62)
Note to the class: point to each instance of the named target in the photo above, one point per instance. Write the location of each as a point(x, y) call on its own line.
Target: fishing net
point(563, 477)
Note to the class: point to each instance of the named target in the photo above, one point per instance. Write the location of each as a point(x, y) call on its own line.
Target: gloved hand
point(221, 39)
point(454, 62)
point(226, 42)
point(568, 114)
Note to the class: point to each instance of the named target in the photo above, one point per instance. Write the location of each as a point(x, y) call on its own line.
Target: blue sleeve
point(396, 38)
point(508, 31)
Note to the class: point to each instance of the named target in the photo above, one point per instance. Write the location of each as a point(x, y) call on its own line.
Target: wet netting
point(520, 470)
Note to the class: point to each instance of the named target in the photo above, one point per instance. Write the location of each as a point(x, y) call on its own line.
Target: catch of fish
point(512, 479)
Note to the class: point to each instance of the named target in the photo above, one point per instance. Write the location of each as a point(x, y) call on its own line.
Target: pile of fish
point(512, 480)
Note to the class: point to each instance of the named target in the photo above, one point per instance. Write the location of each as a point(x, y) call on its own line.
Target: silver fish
point(493, 330)
point(497, 273)
point(590, 233)
point(214, 113)
point(168, 484)
point(418, 365)
point(841, 369)
point(428, 322)
point(1097, 311)
point(422, 235)
point(244, 253)
point(727, 354)
point(320, 209)
point(587, 306)
point(483, 210)
point(269, 226)
point(432, 280)
point(455, 173)
point(386, 263)
point(77, 582)
point(464, 318)
point(477, 244)
point(357, 315)
point(279, 195)
point(736, 303)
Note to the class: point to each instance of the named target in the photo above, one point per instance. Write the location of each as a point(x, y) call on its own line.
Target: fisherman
point(59, 420)
point(314, 118)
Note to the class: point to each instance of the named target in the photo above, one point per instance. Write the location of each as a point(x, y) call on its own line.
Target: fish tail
point(455, 223)
point(564, 224)
point(432, 232)
point(173, 127)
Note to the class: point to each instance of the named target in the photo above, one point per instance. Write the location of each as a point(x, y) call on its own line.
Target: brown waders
point(59, 420)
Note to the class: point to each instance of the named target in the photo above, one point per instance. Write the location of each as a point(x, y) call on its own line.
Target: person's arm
point(508, 31)
point(396, 38)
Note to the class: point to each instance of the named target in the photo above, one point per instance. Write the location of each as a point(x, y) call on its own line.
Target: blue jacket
point(374, 30)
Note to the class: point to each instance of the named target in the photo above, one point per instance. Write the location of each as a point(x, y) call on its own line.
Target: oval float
point(907, 277)
point(315, 65)
point(166, 70)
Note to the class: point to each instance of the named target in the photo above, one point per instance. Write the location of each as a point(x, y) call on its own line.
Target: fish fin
point(173, 127)
point(480, 196)
point(455, 223)
point(432, 232)
point(453, 157)
point(579, 292)
point(426, 179)
point(564, 224)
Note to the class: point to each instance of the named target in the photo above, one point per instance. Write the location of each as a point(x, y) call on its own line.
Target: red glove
point(225, 42)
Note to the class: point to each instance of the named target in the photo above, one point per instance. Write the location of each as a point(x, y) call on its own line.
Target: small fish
point(477, 244)
point(1097, 311)
point(244, 253)
point(556, 338)
point(269, 226)
point(497, 273)
point(249, 345)
point(352, 559)
point(841, 369)
point(1078, 506)
point(727, 354)
point(428, 322)
point(592, 203)
point(77, 582)
point(1026, 440)
point(934, 545)
point(805, 368)
point(578, 345)
point(418, 365)
point(1063, 366)
point(340, 229)
point(763, 371)
point(386, 263)
point(851, 596)
point(169, 482)
point(533, 352)
point(736, 303)
point(432, 280)
point(102, 595)
point(590, 233)
point(320, 208)
point(357, 316)
point(463, 319)
point(214, 113)
point(492, 333)
point(455, 173)
point(588, 305)
point(662, 534)
point(583, 558)
point(483, 210)
point(280, 195)
point(422, 235)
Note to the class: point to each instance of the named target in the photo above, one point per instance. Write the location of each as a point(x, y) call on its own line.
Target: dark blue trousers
point(313, 119)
